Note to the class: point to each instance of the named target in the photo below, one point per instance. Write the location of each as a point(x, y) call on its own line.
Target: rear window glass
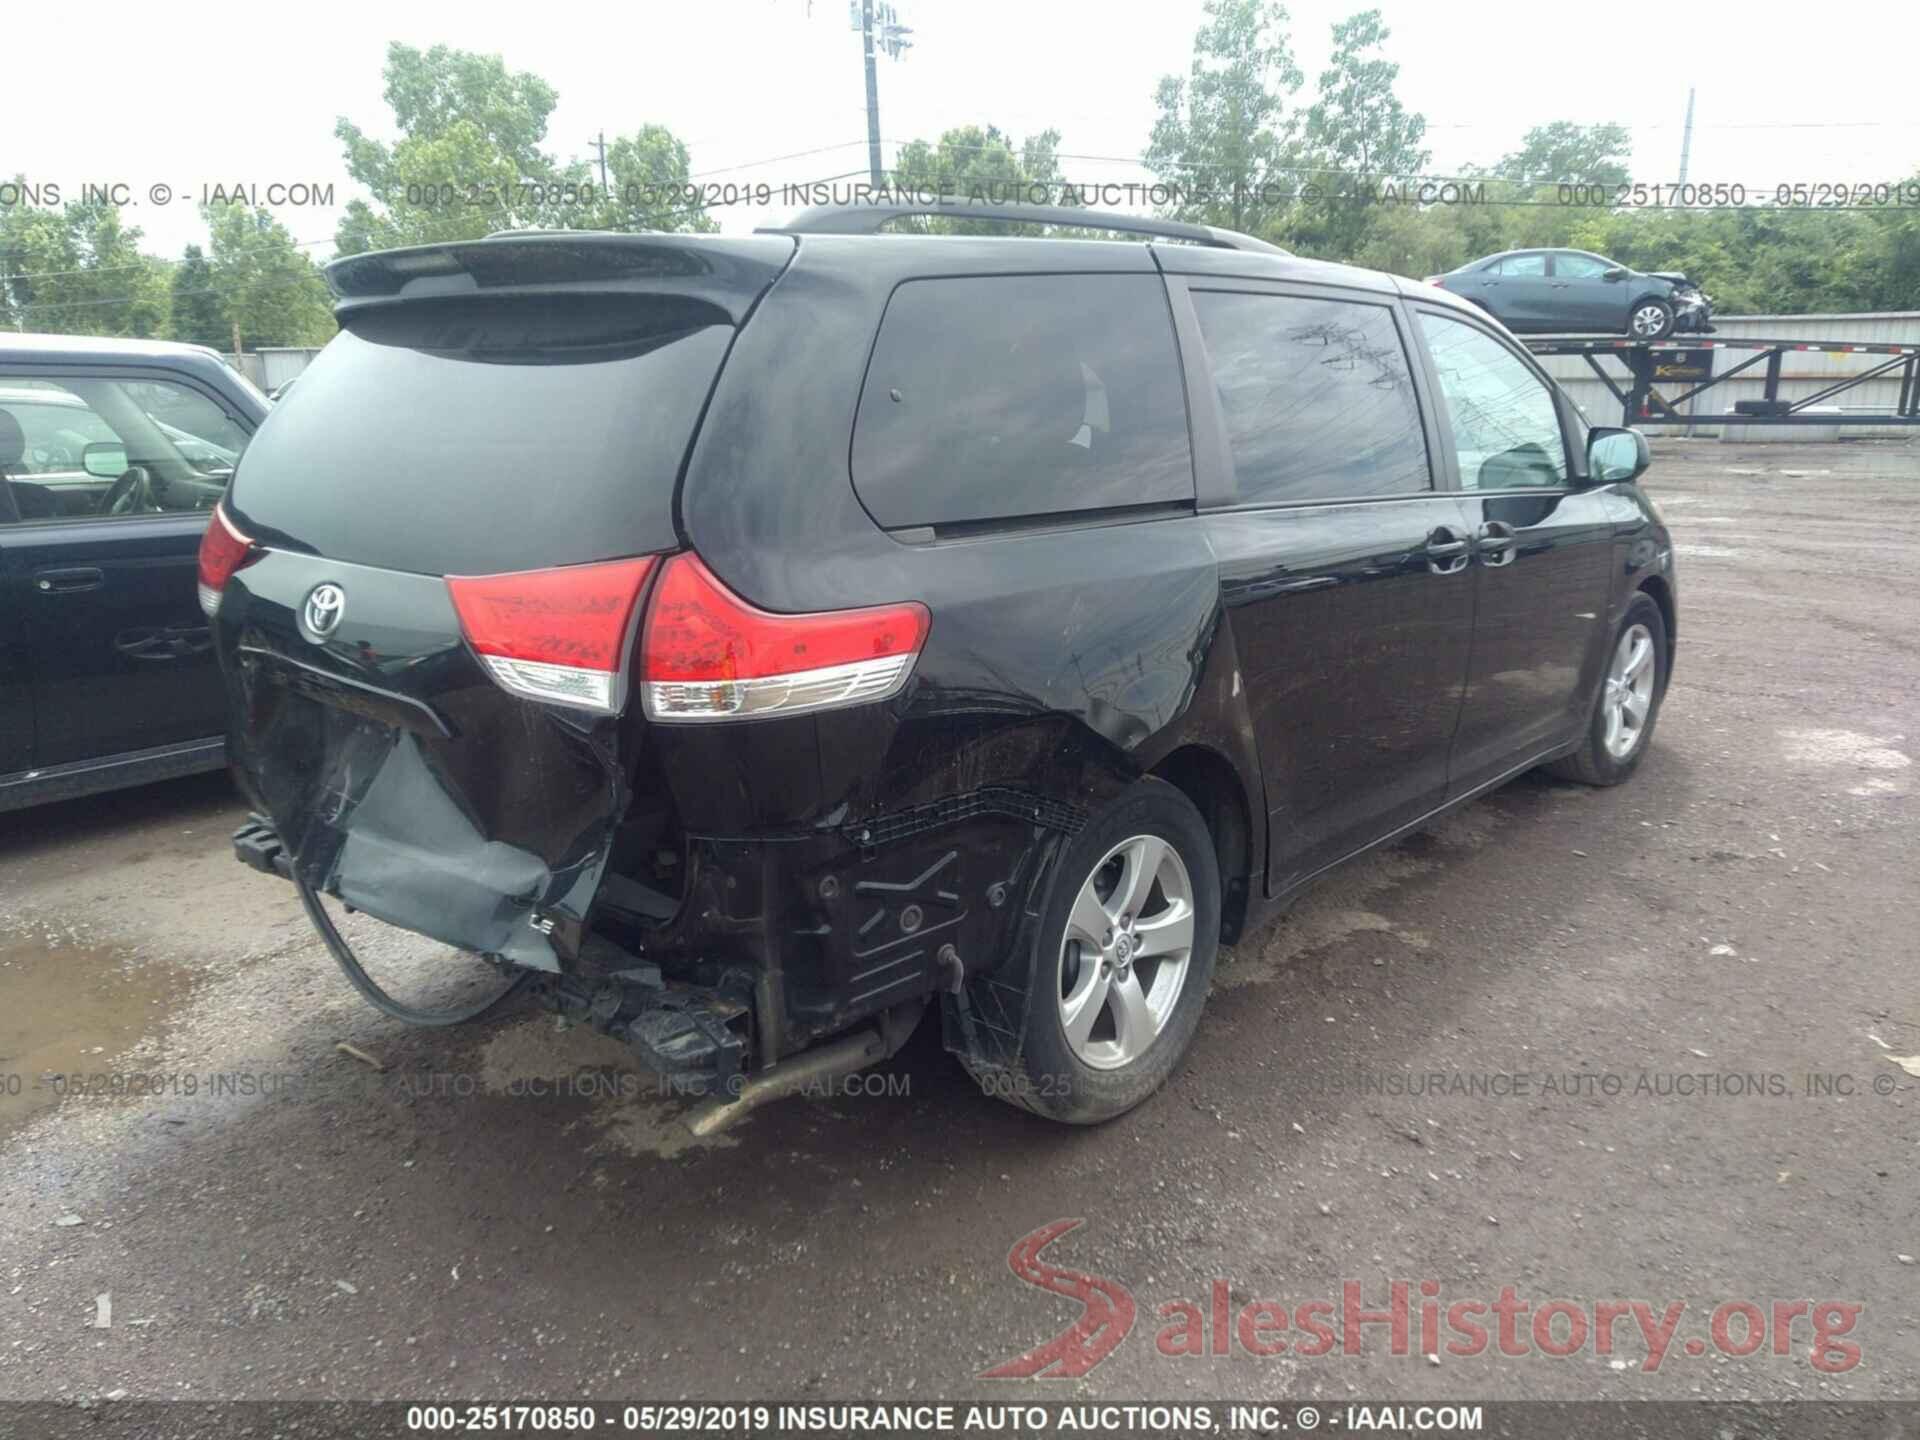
point(1013, 396)
point(1317, 396)
point(479, 436)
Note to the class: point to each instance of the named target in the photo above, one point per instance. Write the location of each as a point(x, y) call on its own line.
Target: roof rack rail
point(868, 220)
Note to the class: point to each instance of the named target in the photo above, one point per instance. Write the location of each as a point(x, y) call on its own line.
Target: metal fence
point(273, 365)
point(1806, 374)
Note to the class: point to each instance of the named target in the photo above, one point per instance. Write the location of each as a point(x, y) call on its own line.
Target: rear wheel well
point(1209, 780)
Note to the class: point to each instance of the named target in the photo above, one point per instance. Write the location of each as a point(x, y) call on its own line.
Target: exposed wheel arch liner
point(1210, 781)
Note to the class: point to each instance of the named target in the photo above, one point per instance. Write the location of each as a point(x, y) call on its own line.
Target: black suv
point(754, 639)
point(113, 454)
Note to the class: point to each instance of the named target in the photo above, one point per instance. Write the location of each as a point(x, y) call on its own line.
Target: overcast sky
point(219, 93)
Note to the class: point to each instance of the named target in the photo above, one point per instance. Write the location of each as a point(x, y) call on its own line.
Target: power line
point(1284, 169)
point(1137, 162)
point(147, 260)
point(1087, 157)
point(628, 229)
point(1633, 128)
point(775, 159)
point(144, 261)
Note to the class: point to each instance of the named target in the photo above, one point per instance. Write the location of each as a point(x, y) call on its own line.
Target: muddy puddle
point(67, 1012)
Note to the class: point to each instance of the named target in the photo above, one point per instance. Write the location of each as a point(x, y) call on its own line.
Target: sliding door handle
point(68, 582)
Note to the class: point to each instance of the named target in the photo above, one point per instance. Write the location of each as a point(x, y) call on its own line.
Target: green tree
point(1563, 151)
point(1899, 270)
point(470, 160)
point(270, 293)
point(1224, 137)
point(1358, 135)
point(973, 162)
point(79, 271)
point(648, 175)
point(198, 316)
point(1417, 242)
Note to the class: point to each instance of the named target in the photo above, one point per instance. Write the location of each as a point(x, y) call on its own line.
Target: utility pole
point(880, 29)
point(1686, 138)
point(873, 94)
point(601, 146)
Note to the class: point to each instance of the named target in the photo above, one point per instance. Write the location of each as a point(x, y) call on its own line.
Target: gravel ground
point(1700, 985)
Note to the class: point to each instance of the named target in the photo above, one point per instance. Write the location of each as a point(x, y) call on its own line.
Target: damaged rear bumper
point(800, 944)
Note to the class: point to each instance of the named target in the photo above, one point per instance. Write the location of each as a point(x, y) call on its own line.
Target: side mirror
point(104, 460)
point(1618, 272)
point(1615, 455)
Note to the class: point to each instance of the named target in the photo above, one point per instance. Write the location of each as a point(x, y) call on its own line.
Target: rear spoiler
point(727, 272)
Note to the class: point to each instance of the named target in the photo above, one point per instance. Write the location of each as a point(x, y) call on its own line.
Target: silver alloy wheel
point(1648, 321)
point(1628, 699)
point(1124, 958)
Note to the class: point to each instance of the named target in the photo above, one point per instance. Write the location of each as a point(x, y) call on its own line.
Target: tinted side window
point(1317, 396)
point(1578, 267)
point(1506, 431)
point(1009, 396)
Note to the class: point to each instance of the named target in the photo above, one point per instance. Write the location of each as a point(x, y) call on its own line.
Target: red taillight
point(554, 634)
point(708, 655)
point(223, 550)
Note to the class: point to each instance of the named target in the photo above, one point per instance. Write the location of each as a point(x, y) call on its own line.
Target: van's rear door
point(426, 654)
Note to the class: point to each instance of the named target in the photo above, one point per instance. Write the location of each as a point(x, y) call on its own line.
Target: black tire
point(1050, 1079)
point(1659, 331)
point(1594, 763)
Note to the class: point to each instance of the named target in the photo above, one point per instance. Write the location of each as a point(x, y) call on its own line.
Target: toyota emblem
point(325, 605)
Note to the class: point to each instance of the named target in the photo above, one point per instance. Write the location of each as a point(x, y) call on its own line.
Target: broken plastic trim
point(379, 998)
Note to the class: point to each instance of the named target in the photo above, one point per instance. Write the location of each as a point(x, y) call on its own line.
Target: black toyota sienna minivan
point(754, 642)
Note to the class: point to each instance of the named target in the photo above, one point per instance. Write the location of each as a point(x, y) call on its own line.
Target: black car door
point(1343, 569)
point(1541, 546)
point(16, 680)
point(1584, 298)
point(1521, 294)
point(101, 576)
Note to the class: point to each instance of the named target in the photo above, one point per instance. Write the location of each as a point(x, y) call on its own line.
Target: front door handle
point(1446, 551)
point(1496, 543)
point(69, 582)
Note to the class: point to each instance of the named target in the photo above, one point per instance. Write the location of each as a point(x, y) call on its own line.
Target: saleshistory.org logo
point(1107, 1317)
point(1507, 1326)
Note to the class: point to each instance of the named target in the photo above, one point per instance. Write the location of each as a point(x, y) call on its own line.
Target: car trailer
point(1650, 361)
